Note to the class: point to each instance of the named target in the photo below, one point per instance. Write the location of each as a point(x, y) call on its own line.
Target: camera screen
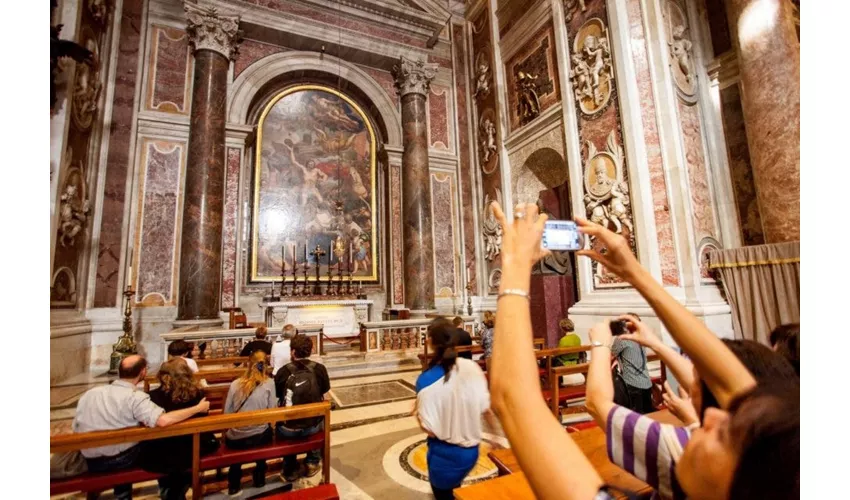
point(561, 235)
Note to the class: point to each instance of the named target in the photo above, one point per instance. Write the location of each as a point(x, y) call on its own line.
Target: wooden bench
point(212, 377)
point(425, 356)
point(229, 362)
point(321, 492)
point(96, 482)
point(556, 395)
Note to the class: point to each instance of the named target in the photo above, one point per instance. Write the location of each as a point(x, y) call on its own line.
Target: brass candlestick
point(305, 290)
point(317, 253)
point(125, 345)
point(469, 298)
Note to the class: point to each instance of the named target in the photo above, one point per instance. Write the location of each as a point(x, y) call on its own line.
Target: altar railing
point(208, 344)
point(402, 334)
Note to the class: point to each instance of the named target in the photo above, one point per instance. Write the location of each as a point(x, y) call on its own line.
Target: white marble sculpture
point(73, 213)
point(491, 229)
point(487, 140)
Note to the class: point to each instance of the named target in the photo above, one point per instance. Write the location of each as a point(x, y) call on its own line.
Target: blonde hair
point(175, 379)
point(254, 375)
point(489, 319)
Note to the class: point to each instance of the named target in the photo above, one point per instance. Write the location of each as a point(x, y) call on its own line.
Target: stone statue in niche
point(682, 64)
point(607, 194)
point(592, 72)
point(491, 229)
point(482, 76)
point(529, 103)
point(487, 139)
point(73, 213)
point(570, 8)
point(86, 90)
point(99, 9)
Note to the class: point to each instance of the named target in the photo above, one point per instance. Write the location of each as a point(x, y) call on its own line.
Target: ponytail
point(443, 338)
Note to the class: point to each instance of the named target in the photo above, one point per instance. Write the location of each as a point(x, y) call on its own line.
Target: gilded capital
point(413, 76)
point(210, 30)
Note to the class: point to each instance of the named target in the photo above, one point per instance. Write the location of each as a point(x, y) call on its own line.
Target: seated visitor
point(569, 338)
point(301, 381)
point(785, 340)
point(621, 423)
point(183, 349)
point(281, 348)
point(747, 448)
point(173, 456)
point(463, 337)
point(636, 387)
point(258, 344)
point(451, 398)
point(252, 391)
point(120, 405)
point(487, 336)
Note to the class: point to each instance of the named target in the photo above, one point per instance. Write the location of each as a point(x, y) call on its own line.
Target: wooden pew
point(212, 377)
point(230, 361)
point(95, 482)
point(425, 357)
point(557, 394)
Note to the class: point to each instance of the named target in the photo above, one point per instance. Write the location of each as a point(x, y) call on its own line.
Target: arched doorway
point(544, 180)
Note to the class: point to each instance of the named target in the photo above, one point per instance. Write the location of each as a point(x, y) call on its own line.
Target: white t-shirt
point(192, 364)
point(281, 355)
point(452, 410)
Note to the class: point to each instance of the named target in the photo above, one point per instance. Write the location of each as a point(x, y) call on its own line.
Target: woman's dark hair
point(179, 348)
point(302, 345)
point(785, 340)
point(765, 426)
point(766, 366)
point(443, 339)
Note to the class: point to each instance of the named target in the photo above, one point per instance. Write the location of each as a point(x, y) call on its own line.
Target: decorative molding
point(414, 77)
point(210, 30)
point(682, 66)
point(592, 71)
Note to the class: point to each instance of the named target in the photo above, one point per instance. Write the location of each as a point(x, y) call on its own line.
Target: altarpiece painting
point(314, 186)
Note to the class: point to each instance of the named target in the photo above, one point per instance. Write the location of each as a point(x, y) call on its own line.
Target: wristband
point(513, 291)
point(596, 343)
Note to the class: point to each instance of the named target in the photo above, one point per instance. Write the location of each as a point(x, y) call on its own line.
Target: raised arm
point(724, 374)
point(681, 368)
point(176, 416)
point(554, 465)
point(600, 385)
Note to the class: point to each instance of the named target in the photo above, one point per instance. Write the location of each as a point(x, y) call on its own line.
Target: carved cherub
point(482, 85)
point(580, 73)
point(680, 49)
point(596, 51)
point(487, 140)
point(72, 215)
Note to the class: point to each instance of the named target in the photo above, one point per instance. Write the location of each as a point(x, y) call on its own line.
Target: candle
point(350, 253)
point(331, 251)
point(306, 255)
point(293, 258)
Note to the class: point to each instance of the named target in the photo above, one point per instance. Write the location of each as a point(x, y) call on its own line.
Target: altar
point(341, 318)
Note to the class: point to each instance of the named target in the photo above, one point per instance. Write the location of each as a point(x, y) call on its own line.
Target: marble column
point(214, 38)
point(413, 79)
point(769, 61)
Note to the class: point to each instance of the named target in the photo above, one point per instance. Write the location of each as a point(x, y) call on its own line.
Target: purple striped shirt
point(646, 449)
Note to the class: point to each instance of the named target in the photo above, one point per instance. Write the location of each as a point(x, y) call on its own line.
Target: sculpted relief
point(491, 229)
point(591, 71)
point(87, 88)
point(73, 205)
point(482, 75)
point(487, 146)
point(681, 52)
point(570, 7)
point(528, 107)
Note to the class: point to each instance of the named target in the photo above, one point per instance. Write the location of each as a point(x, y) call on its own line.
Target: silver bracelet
point(513, 291)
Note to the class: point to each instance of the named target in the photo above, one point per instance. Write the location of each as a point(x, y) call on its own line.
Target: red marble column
point(214, 40)
point(413, 79)
point(769, 61)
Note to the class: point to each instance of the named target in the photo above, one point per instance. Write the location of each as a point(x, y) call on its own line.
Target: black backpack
point(304, 387)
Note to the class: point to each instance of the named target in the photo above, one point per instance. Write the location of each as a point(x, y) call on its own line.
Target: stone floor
point(377, 448)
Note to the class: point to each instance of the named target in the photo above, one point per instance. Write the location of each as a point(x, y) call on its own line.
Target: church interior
point(228, 171)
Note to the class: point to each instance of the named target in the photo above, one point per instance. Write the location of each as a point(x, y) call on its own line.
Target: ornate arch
point(245, 88)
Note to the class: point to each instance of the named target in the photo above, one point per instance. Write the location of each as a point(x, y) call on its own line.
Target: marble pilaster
point(769, 61)
point(214, 39)
point(413, 79)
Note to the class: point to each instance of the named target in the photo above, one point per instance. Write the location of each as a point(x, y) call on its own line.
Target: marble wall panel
point(438, 103)
point(740, 167)
point(701, 200)
point(491, 175)
point(69, 356)
point(230, 233)
point(396, 234)
point(538, 58)
point(169, 71)
point(596, 128)
point(354, 26)
point(118, 159)
point(251, 51)
point(384, 79)
point(467, 174)
point(660, 203)
point(158, 226)
point(446, 248)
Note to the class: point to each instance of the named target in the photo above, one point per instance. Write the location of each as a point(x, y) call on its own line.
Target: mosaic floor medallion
point(406, 462)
